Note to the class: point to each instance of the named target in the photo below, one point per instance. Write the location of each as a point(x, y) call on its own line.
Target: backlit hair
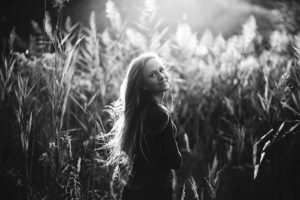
point(128, 127)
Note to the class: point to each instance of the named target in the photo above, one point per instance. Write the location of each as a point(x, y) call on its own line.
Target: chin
point(166, 89)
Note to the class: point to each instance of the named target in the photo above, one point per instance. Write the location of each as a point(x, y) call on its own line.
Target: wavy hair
point(128, 125)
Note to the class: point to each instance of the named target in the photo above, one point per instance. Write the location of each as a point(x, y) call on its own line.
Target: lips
point(164, 82)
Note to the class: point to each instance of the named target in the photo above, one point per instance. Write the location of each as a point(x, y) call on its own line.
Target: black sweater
point(157, 153)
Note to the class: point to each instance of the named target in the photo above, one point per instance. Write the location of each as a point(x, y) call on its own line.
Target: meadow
point(234, 100)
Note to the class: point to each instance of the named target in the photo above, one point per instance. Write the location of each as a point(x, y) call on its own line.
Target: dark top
point(155, 156)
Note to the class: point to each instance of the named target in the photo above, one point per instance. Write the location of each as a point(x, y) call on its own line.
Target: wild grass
point(225, 95)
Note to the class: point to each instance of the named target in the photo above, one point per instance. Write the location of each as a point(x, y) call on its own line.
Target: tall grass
point(225, 96)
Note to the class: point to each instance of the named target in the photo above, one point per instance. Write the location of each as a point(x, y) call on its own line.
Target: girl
point(144, 132)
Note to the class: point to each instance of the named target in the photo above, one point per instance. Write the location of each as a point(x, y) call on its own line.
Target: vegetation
point(226, 94)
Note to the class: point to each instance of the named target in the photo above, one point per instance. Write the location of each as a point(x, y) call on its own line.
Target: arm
point(171, 156)
point(162, 128)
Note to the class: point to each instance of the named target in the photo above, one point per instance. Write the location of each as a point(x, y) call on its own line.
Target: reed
point(226, 93)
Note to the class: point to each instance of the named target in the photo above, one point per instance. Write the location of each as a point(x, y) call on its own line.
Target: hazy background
point(220, 16)
point(228, 91)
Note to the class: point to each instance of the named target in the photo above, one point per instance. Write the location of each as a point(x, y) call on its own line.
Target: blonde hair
point(128, 126)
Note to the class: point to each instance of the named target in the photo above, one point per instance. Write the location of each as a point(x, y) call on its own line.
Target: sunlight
point(231, 92)
point(220, 16)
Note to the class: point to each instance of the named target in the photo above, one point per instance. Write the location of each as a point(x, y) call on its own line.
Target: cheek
point(149, 83)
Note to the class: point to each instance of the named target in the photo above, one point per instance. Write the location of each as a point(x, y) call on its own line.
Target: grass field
point(226, 94)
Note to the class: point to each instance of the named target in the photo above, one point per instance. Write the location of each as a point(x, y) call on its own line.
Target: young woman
point(144, 132)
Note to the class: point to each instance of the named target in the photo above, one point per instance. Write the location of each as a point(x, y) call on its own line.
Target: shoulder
point(156, 118)
point(157, 112)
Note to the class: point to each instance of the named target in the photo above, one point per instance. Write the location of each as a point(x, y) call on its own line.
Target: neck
point(159, 97)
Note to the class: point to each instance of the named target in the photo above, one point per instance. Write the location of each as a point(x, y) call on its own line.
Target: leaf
point(79, 121)
point(48, 26)
point(294, 127)
point(77, 103)
point(93, 98)
point(67, 64)
point(266, 145)
point(290, 108)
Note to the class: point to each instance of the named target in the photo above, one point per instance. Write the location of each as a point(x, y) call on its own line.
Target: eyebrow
point(156, 70)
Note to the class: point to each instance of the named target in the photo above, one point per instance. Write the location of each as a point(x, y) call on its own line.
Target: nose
point(161, 76)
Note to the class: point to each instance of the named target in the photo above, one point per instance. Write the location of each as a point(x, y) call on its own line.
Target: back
point(157, 150)
point(155, 155)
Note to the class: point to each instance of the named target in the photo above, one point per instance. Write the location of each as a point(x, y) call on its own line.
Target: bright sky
point(221, 16)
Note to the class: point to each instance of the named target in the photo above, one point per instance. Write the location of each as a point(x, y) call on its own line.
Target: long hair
point(128, 126)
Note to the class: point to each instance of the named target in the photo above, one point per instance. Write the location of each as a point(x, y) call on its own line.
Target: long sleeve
point(161, 137)
point(171, 156)
point(156, 153)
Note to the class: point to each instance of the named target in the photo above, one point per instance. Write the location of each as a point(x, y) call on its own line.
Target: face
point(155, 77)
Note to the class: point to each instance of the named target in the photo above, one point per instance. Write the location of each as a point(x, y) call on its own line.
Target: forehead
point(152, 65)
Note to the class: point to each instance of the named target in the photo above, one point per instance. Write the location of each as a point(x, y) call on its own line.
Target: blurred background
point(235, 95)
point(220, 16)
